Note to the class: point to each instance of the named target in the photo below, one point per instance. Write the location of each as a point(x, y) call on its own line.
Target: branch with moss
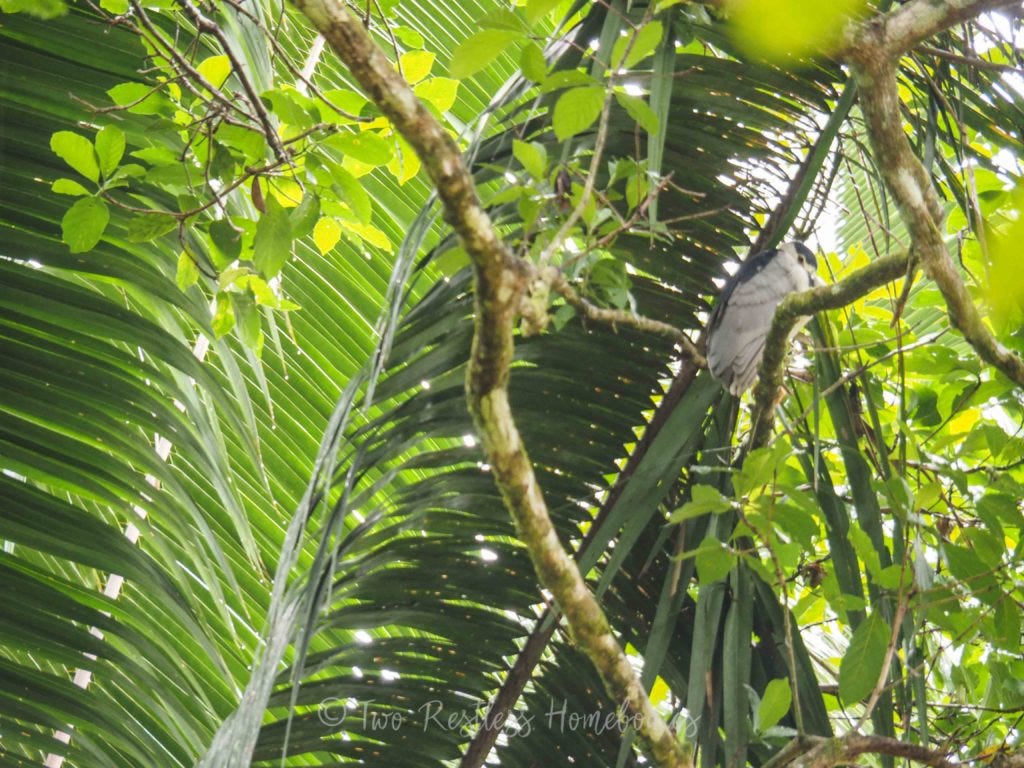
point(799, 305)
point(500, 282)
point(873, 49)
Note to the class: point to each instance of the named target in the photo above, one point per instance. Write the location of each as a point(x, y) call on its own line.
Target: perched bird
point(743, 316)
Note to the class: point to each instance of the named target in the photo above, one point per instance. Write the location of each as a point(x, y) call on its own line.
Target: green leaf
point(714, 560)
point(215, 69)
point(532, 62)
point(228, 242)
point(147, 227)
point(532, 156)
point(68, 187)
point(83, 224)
point(538, 9)
point(416, 65)
point(644, 41)
point(109, 149)
point(272, 246)
point(704, 499)
point(223, 315)
point(775, 704)
point(479, 50)
point(77, 151)
point(502, 18)
point(43, 9)
point(188, 272)
point(861, 667)
point(640, 111)
point(576, 110)
point(116, 7)
point(365, 146)
point(439, 92)
point(144, 99)
point(305, 215)
point(326, 234)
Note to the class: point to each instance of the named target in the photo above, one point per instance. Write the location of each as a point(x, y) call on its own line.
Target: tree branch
point(797, 305)
point(873, 50)
point(500, 280)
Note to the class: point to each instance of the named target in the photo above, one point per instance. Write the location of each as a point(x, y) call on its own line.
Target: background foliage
point(234, 329)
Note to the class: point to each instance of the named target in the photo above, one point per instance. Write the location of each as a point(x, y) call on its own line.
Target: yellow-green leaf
point(438, 91)
point(479, 50)
point(576, 110)
point(774, 704)
point(77, 151)
point(68, 187)
point(326, 234)
point(215, 69)
point(109, 149)
point(783, 31)
point(188, 272)
point(83, 224)
point(641, 44)
point(416, 65)
point(370, 234)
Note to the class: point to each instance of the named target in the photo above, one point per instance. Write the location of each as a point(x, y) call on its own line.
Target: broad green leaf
point(641, 45)
point(775, 703)
point(77, 151)
point(68, 187)
point(109, 149)
point(227, 241)
point(440, 92)
point(215, 69)
point(188, 272)
point(370, 234)
point(640, 111)
point(143, 99)
point(479, 50)
point(223, 315)
point(503, 18)
point(44, 9)
point(365, 146)
point(704, 499)
point(326, 234)
point(783, 31)
point(416, 65)
point(538, 9)
point(532, 156)
point(84, 223)
point(532, 62)
point(272, 245)
point(576, 110)
point(147, 227)
point(714, 560)
point(861, 666)
point(116, 7)
point(305, 215)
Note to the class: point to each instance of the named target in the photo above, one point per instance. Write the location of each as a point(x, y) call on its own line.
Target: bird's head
point(800, 258)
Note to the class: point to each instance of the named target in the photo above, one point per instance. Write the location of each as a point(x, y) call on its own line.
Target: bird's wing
point(737, 339)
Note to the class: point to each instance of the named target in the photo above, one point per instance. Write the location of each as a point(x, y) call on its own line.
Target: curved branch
point(798, 305)
point(873, 52)
point(501, 280)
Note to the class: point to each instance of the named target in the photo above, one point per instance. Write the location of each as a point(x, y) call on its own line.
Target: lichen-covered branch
point(873, 51)
point(623, 317)
point(798, 305)
point(500, 281)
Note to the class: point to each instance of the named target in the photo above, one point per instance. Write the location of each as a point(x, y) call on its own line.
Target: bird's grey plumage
point(743, 316)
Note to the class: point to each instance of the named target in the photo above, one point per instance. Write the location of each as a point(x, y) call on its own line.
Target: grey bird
point(743, 315)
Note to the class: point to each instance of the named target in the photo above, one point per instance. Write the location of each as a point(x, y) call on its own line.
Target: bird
point(741, 319)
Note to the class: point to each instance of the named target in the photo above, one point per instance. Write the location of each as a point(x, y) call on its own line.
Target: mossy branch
point(873, 50)
point(799, 305)
point(501, 279)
